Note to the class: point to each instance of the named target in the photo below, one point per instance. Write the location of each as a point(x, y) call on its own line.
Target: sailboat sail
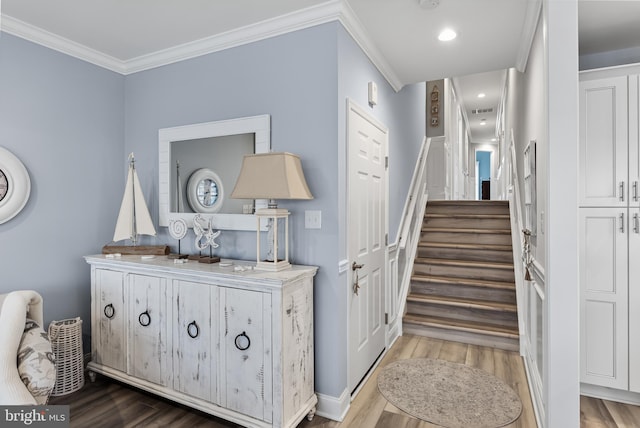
point(134, 218)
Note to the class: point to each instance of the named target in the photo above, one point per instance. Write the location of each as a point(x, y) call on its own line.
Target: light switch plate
point(313, 219)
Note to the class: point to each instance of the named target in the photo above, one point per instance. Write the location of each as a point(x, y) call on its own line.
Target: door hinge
point(386, 162)
point(386, 239)
point(386, 318)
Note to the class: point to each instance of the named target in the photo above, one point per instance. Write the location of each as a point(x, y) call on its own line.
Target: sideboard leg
point(92, 376)
point(311, 413)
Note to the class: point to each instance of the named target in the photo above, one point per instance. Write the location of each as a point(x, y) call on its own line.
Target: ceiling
point(400, 36)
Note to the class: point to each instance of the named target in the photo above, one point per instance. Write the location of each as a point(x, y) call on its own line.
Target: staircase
point(463, 285)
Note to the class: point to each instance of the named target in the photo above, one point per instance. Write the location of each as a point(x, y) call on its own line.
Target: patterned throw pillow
point(36, 362)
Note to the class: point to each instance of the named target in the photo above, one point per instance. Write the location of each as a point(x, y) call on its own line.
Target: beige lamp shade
point(271, 176)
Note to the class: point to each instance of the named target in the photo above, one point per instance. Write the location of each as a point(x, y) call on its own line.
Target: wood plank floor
point(110, 404)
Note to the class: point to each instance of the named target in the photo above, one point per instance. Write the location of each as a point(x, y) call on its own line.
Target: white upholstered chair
point(15, 308)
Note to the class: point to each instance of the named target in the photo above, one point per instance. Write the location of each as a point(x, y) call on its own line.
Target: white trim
point(529, 26)
point(335, 10)
point(298, 20)
point(44, 38)
point(334, 408)
point(343, 265)
point(610, 394)
point(355, 28)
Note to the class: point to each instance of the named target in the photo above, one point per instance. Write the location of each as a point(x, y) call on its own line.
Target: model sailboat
point(134, 219)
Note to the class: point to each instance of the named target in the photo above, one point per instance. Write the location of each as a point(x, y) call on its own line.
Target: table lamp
point(272, 176)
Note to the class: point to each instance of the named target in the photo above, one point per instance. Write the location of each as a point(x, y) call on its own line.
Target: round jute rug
point(449, 394)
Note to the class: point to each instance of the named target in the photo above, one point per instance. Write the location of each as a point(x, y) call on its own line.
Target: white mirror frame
point(258, 125)
point(19, 187)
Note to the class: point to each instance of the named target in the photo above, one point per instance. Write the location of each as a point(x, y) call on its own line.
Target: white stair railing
point(403, 251)
point(517, 228)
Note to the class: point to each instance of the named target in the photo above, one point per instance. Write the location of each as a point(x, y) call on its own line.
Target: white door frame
point(352, 106)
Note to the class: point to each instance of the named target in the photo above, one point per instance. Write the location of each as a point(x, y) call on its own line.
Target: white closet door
point(603, 143)
point(603, 305)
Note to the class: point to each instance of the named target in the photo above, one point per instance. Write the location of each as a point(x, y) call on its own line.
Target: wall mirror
point(198, 168)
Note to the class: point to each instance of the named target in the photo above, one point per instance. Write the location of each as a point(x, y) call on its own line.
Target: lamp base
point(273, 266)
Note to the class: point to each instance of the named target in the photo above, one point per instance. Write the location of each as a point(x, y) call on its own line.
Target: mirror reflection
point(204, 166)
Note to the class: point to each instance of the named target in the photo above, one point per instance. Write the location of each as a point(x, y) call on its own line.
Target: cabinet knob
point(109, 311)
point(239, 341)
point(144, 319)
point(193, 330)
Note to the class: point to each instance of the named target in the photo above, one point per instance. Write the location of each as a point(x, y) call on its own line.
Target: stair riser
point(468, 223)
point(497, 318)
point(466, 254)
point(435, 208)
point(464, 291)
point(479, 273)
point(466, 238)
point(506, 344)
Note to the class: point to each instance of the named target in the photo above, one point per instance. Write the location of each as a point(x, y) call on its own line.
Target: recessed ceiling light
point(483, 122)
point(494, 139)
point(481, 95)
point(447, 35)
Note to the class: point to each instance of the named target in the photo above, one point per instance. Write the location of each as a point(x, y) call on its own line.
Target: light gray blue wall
point(74, 124)
point(63, 119)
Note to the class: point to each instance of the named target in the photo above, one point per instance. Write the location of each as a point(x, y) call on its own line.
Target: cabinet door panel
point(246, 344)
point(603, 143)
point(634, 140)
point(195, 340)
point(634, 300)
point(148, 329)
point(110, 346)
point(603, 297)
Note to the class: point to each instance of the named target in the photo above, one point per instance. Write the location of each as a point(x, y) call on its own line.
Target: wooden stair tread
point(467, 216)
point(462, 303)
point(463, 281)
point(470, 327)
point(463, 263)
point(467, 202)
point(465, 230)
point(461, 246)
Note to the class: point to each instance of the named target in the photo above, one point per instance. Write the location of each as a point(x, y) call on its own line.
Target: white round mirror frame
point(19, 186)
point(192, 191)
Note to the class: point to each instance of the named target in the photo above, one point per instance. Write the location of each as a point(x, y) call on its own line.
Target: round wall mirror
point(204, 191)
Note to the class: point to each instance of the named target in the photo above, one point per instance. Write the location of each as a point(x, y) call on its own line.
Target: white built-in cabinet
point(236, 344)
point(609, 232)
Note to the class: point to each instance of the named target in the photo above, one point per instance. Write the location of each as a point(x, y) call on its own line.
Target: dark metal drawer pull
point(190, 328)
point(109, 311)
point(144, 319)
point(243, 334)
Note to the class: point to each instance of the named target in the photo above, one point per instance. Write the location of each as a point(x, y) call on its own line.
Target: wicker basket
point(66, 341)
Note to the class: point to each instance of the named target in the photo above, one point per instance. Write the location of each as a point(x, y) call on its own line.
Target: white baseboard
point(610, 394)
point(334, 408)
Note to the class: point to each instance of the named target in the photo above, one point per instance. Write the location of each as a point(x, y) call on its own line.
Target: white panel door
point(634, 140)
point(148, 329)
point(603, 143)
point(367, 224)
point(634, 299)
point(603, 294)
point(110, 344)
point(195, 340)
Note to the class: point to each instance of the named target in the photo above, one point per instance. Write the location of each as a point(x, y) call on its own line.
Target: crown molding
point(44, 38)
point(293, 21)
point(354, 27)
point(531, 19)
point(335, 10)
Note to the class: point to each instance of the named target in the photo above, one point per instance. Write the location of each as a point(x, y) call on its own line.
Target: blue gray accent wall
point(74, 124)
point(62, 117)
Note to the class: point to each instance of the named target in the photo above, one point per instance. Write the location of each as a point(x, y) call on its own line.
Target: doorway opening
point(483, 174)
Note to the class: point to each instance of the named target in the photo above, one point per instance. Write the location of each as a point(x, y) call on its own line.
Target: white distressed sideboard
point(234, 343)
